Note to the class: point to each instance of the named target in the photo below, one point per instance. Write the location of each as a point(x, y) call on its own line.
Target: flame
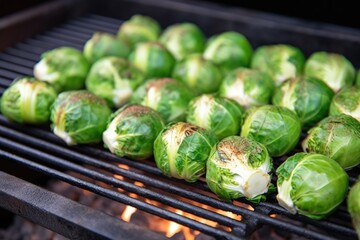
point(123, 166)
point(174, 227)
point(127, 213)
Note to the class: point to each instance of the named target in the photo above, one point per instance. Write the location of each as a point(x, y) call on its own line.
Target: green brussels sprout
point(65, 68)
point(357, 83)
point(229, 50)
point(139, 29)
point(153, 59)
point(222, 116)
point(114, 79)
point(308, 97)
point(276, 127)
point(198, 74)
point(167, 96)
point(132, 131)
point(250, 88)
point(312, 185)
point(333, 69)
point(337, 137)
point(28, 100)
point(347, 101)
point(104, 45)
point(182, 149)
point(183, 39)
point(353, 204)
point(238, 167)
point(280, 61)
point(79, 117)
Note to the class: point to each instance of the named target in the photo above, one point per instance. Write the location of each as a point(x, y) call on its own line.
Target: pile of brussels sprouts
point(202, 106)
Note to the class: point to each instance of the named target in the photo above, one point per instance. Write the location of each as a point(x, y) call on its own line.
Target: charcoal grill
point(28, 153)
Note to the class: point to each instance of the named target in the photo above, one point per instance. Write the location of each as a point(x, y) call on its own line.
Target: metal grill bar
point(47, 148)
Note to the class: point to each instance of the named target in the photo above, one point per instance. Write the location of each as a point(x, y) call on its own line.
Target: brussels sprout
point(139, 29)
point(333, 69)
point(337, 137)
point(222, 116)
point(153, 59)
point(103, 45)
point(347, 101)
point(238, 167)
point(357, 83)
point(279, 61)
point(353, 204)
point(198, 74)
point(183, 39)
point(28, 100)
point(250, 88)
point(114, 79)
point(312, 185)
point(132, 131)
point(229, 50)
point(167, 96)
point(182, 149)
point(79, 117)
point(308, 97)
point(276, 127)
point(65, 68)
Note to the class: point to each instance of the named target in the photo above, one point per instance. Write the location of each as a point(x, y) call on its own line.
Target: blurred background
point(343, 13)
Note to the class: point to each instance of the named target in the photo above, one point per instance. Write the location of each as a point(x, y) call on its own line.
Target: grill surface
point(40, 150)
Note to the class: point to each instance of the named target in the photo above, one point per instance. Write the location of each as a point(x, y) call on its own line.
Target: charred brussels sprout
point(104, 45)
point(198, 74)
point(222, 116)
point(312, 185)
point(238, 167)
point(28, 101)
point(333, 69)
point(153, 59)
point(183, 39)
point(229, 50)
point(79, 117)
point(250, 88)
point(167, 96)
point(353, 204)
point(308, 97)
point(132, 131)
point(337, 137)
point(64, 68)
point(139, 29)
point(114, 79)
point(182, 149)
point(347, 101)
point(280, 62)
point(276, 127)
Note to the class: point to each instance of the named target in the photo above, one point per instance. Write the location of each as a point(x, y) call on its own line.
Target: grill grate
point(40, 150)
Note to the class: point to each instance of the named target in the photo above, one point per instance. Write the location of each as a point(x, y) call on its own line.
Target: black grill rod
point(5, 74)
point(5, 82)
point(216, 203)
point(58, 162)
point(104, 26)
point(22, 54)
point(104, 19)
point(57, 41)
point(94, 28)
point(67, 36)
point(17, 60)
point(99, 22)
point(13, 67)
point(74, 32)
point(118, 196)
point(70, 27)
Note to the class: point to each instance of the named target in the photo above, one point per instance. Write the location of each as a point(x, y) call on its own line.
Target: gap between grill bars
point(51, 154)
